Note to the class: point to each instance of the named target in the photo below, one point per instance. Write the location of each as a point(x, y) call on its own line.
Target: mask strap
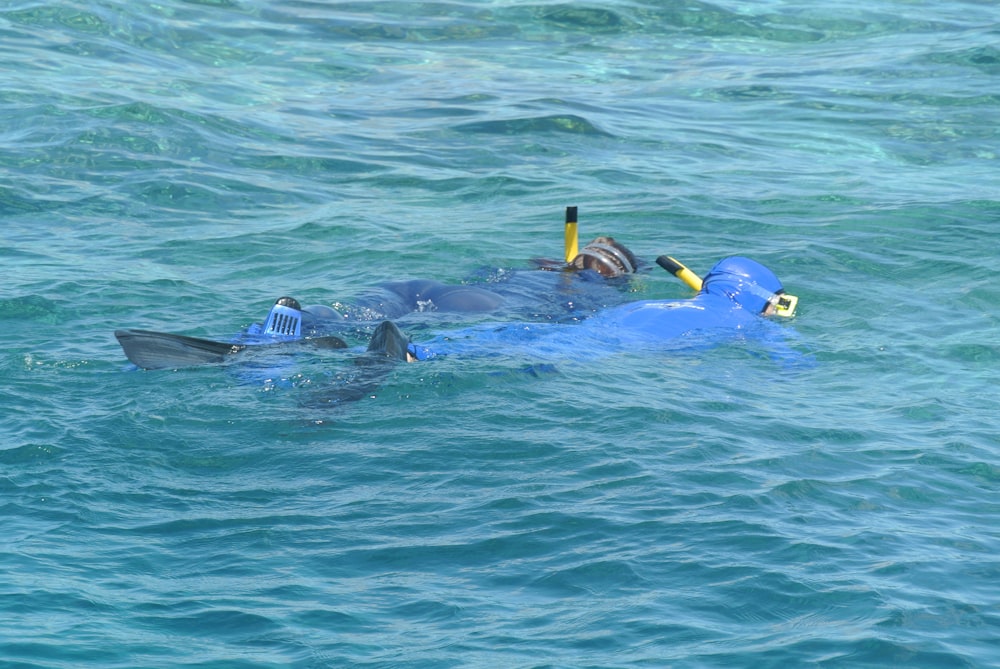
point(784, 304)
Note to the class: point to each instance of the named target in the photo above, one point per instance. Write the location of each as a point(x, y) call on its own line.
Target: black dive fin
point(386, 348)
point(161, 350)
point(388, 341)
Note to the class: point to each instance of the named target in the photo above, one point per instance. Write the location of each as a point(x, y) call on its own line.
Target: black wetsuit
point(526, 295)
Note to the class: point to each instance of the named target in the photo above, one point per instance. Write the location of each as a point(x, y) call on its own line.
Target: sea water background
point(177, 165)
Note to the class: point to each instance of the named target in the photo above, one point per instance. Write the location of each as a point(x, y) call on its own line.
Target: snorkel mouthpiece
point(285, 319)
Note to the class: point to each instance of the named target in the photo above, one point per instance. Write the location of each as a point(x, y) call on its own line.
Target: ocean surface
point(177, 165)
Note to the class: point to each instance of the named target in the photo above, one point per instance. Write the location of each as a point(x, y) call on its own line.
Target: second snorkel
point(571, 235)
point(680, 271)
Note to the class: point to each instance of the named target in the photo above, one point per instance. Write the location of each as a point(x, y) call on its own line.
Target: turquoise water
point(178, 165)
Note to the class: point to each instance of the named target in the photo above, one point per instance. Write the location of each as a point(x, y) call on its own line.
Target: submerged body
point(630, 326)
point(596, 278)
point(546, 295)
point(734, 296)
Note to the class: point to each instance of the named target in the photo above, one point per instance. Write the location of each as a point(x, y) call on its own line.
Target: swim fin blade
point(388, 341)
point(161, 350)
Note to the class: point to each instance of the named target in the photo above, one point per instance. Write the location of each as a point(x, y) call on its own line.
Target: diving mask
point(607, 257)
point(783, 304)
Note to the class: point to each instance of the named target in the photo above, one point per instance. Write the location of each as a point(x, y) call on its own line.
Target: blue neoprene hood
point(746, 282)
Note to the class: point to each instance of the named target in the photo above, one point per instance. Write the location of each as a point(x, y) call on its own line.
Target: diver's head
point(607, 257)
point(746, 282)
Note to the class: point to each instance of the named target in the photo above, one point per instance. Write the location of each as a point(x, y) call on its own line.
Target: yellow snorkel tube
point(783, 303)
point(571, 235)
point(680, 271)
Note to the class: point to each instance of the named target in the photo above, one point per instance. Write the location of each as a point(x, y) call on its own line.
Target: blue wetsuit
point(734, 295)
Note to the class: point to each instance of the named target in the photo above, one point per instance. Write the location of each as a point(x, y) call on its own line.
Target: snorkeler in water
point(585, 282)
point(734, 300)
point(594, 278)
point(734, 297)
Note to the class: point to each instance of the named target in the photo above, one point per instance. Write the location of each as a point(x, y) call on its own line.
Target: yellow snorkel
point(680, 271)
point(783, 303)
point(571, 235)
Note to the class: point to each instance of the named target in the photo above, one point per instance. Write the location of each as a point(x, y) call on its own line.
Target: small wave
point(568, 123)
point(29, 308)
